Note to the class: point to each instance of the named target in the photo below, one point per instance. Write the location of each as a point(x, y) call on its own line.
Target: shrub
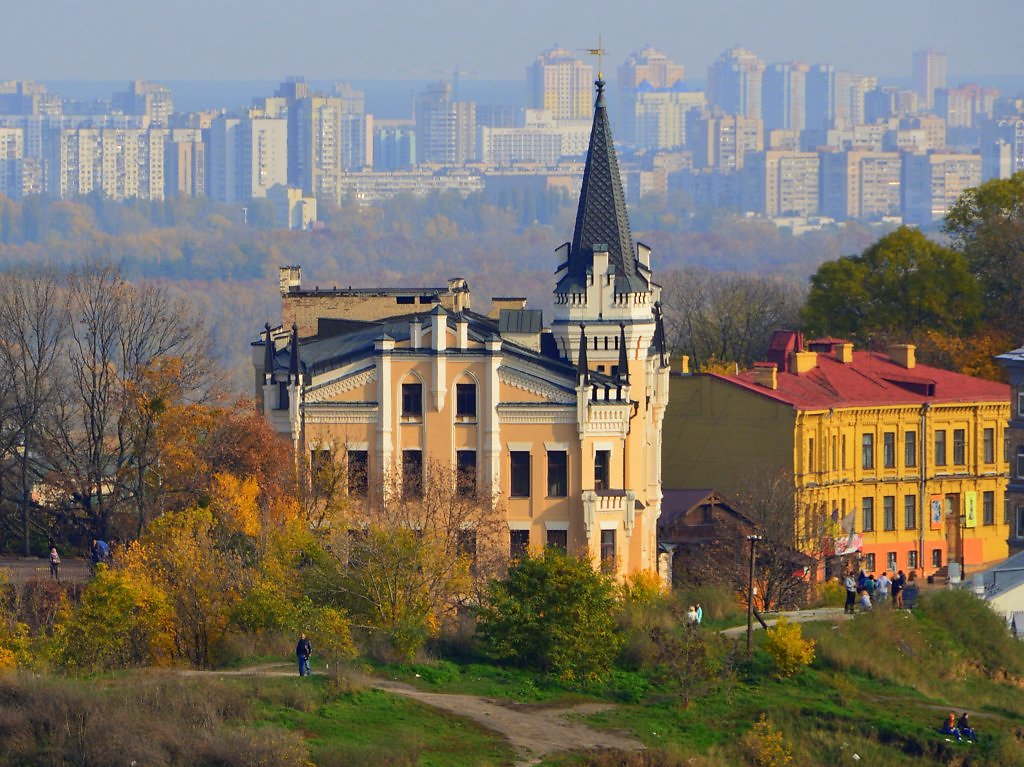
point(831, 594)
point(765, 745)
point(788, 648)
point(555, 613)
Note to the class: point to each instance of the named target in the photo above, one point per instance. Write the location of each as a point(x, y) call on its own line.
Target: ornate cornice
point(527, 382)
point(330, 389)
point(543, 414)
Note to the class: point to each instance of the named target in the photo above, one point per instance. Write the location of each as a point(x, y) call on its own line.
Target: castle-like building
point(560, 427)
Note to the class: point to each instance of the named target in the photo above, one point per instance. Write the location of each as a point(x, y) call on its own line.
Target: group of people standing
point(870, 591)
point(695, 615)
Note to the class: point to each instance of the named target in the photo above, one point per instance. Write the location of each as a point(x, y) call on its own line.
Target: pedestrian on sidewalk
point(54, 564)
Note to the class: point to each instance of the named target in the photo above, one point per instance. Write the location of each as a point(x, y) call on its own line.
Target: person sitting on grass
point(949, 726)
point(966, 731)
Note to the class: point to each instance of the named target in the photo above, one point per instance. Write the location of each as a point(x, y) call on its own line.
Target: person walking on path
point(851, 593)
point(54, 564)
point(303, 650)
point(700, 614)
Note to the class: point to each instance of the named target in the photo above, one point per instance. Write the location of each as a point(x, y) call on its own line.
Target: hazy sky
point(421, 39)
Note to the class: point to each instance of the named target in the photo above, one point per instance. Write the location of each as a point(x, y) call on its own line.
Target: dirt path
point(533, 731)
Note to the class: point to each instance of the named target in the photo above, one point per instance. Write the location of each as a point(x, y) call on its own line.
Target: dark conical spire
point(268, 353)
point(623, 359)
point(601, 218)
point(660, 341)
point(582, 366)
point(293, 361)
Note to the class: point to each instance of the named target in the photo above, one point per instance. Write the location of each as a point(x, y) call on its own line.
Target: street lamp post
point(750, 590)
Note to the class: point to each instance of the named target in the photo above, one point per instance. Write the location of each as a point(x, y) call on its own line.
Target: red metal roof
point(871, 379)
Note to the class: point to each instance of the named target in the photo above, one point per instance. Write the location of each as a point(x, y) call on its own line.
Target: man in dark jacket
point(302, 651)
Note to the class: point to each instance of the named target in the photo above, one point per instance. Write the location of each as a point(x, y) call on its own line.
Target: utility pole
point(750, 590)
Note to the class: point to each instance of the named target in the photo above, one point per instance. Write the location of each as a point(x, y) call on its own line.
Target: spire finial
point(623, 357)
point(582, 366)
point(599, 51)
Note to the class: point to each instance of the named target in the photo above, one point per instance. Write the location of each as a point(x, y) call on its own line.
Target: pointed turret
point(601, 220)
point(293, 361)
point(582, 367)
point(660, 341)
point(623, 359)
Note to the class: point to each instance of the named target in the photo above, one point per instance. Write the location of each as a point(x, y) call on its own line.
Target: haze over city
point(408, 39)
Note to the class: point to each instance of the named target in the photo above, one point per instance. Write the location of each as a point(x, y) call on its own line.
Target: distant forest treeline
point(502, 245)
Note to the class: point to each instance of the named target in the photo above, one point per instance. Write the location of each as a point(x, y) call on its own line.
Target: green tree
point(553, 612)
point(903, 285)
point(987, 225)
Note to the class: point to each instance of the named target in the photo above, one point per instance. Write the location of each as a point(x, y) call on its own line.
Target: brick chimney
point(844, 353)
point(766, 375)
point(802, 362)
point(903, 355)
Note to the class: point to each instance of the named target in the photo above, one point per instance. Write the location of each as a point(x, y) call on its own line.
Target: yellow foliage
point(643, 587)
point(765, 745)
point(788, 648)
point(235, 503)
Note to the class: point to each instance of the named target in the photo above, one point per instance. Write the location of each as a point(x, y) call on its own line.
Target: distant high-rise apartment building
point(929, 69)
point(20, 174)
point(859, 185)
point(784, 96)
point(356, 128)
point(1002, 148)
point(820, 97)
point(317, 131)
point(26, 97)
point(734, 83)
point(144, 99)
point(560, 83)
point(886, 102)
point(931, 183)
point(723, 142)
point(780, 183)
point(851, 92)
point(653, 100)
point(246, 156)
point(119, 163)
point(445, 128)
point(394, 146)
point(185, 163)
point(966, 106)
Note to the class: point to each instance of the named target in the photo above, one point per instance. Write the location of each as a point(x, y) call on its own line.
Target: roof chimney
point(903, 355)
point(684, 364)
point(766, 375)
point(802, 362)
point(844, 353)
point(290, 278)
point(498, 303)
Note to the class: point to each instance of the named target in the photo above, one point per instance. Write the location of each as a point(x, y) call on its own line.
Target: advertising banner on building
point(935, 511)
point(848, 544)
point(970, 509)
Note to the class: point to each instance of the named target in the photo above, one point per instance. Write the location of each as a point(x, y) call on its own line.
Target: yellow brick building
point(907, 458)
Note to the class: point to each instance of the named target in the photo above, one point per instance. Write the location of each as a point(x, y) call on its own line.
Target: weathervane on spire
point(599, 51)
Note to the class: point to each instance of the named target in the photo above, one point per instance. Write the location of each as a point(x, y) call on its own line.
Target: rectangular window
point(936, 557)
point(890, 560)
point(465, 474)
point(810, 454)
point(282, 396)
point(519, 474)
point(867, 453)
point(910, 448)
point(988, 443)
point(869, 563)
point(412, 473)
point(835, 463)
point(1020, 461)
point(889, 449)
point(959, 447)
point(602, 469)
point(518, 543)
point(940, 447)
point(912, 560)
point(843, 457)
point(465, 401)
point(608, 551)
point(558, 539)
point(910, 512)
point(867, 515)
point(1020, 400)
point(358, 470)
point(988, 508)
point(412, 400)
point(889, 512)
point(558, 474)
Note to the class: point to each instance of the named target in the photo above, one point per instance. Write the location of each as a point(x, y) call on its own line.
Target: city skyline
point(404, 40)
